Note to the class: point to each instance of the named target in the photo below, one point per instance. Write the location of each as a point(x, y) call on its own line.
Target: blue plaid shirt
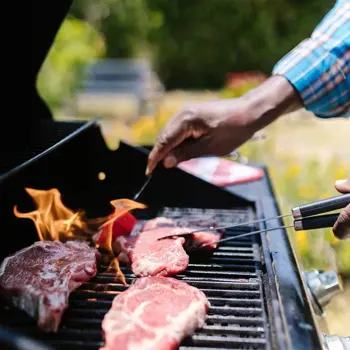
point(319, 67)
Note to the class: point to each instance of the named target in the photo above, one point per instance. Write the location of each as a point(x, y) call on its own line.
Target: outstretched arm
point(315, 75)
point(319, 67)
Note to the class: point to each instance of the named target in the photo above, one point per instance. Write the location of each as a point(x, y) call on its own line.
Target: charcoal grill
point(258, 297)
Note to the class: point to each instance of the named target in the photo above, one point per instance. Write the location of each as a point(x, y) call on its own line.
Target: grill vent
point(230, 277)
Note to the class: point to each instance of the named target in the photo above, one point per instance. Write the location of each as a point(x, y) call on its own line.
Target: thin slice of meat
point(202, 238)
point(38, 279)
point(155, 313)
point(150, 257)
point(197, 239)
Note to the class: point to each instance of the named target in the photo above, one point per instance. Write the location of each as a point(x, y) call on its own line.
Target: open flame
point(54, 221)
point(122, 206)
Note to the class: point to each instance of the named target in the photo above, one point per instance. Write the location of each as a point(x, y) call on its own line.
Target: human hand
point(342, 226)
point(219, 127)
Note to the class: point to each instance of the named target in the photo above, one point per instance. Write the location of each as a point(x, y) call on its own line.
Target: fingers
point(343, 186)
point(341, 228)
point(187, 150)
point(175, 132)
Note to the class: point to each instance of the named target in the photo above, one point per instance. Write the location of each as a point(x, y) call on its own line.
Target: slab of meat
point(155, 313)
point(38, 279)
point(166, 257)
point(150, 257)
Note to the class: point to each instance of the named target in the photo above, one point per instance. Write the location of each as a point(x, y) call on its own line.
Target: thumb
point(341, 228)
point(186, 151)
point(343, 186)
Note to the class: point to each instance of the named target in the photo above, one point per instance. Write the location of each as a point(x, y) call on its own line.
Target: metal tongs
point(306, 217)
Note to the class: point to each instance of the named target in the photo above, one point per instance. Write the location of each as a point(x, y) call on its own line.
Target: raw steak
point(38, 279)
point(150, 257)
point(167, 257)
point(155, 313)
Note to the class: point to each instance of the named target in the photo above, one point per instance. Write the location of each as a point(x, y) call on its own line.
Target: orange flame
point(54, 221)
point(122, 206)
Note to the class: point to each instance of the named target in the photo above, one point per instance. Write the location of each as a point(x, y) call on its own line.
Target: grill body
point(257, 295)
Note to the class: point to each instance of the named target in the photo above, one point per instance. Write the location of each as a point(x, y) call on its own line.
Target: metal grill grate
point(230, 277)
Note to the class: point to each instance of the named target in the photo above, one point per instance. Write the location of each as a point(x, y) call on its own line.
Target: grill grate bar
point(228, 341)
point(217, 310)
point(234, 310)
point(235, 274)
point(228, 319)
point(243, 331)
point(229, 260)
point(213, 268)
point(105, 304)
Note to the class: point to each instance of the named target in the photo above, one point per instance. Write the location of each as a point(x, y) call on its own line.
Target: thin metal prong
point(137, 195)
point(247, 223)
point(245, 235)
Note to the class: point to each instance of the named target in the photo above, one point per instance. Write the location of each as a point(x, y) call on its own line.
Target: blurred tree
point(75, 45)
point(125, 24)
point(201, 40)
point(194, 44)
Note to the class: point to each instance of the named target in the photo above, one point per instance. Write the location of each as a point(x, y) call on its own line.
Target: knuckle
point(344, 217)
point(162, 141)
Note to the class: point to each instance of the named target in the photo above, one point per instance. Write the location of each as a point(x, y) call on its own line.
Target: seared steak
point(38, 279)
point(155, 313)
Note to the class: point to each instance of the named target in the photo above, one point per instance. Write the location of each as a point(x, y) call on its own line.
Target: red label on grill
point(221, 172)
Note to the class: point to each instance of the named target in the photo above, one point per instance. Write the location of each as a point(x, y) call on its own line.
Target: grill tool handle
point(322, 206)
point(316, 222)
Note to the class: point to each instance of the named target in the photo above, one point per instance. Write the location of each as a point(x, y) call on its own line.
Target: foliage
point(76, 44)
point(124, 24)
point(297, 181)
point(199, 41)
point(237, 84)
point(195, 43)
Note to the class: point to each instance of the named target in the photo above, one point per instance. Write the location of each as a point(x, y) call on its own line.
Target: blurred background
point(135, 63)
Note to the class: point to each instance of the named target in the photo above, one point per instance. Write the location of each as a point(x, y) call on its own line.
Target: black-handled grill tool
point(306, 217)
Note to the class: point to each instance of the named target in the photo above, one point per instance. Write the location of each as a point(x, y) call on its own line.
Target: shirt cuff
point(318, 76)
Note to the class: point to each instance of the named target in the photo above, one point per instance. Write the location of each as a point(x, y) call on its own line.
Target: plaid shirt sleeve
point(319, 67)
